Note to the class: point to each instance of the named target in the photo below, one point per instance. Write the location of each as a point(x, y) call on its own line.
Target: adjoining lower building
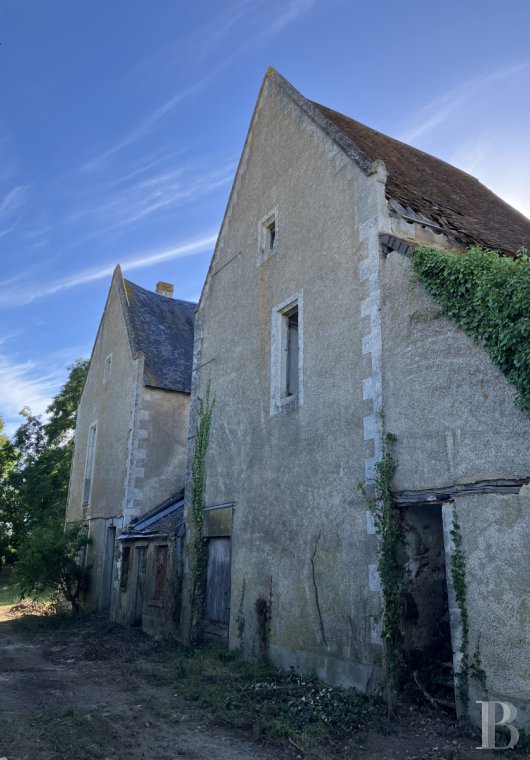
point(132, 426)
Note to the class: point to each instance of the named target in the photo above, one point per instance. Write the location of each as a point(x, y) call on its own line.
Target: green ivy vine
point(197, 489)
point(458, 574)
point(386, 524)
point(488, 296)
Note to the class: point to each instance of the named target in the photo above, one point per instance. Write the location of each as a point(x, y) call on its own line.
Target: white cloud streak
point(292, 11)
point(25, 384)
point(28, 295)
point(437, 111)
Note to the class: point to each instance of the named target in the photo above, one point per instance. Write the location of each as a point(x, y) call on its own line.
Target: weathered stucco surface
point(299, 526)
point(454, 416)
point(496, 537)
point(450, 407)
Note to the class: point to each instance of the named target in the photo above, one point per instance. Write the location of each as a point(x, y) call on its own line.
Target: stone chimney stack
point(164, 289)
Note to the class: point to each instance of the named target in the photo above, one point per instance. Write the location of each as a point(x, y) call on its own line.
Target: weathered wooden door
point(107, 577)
point(141, 565)
point(217, 608)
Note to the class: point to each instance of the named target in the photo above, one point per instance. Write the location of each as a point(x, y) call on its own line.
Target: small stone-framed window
point(287, 346)
point(107, 369)
point(267, 236)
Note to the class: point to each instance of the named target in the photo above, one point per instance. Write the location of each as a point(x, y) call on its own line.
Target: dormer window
point(267, 236)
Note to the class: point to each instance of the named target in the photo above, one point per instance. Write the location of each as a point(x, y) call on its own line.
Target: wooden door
point(217, 607)
point(141, 565)
point(107, 577)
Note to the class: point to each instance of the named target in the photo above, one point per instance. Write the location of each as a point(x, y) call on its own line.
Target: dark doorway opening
point(426, 627)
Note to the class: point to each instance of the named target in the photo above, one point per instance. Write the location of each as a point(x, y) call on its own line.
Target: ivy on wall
point(458, 573)
point(488, 296)
point(386, 524)
point(197, 488)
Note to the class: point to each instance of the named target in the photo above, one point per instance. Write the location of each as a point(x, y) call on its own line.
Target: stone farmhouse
point(310, 332)
point(129, 463)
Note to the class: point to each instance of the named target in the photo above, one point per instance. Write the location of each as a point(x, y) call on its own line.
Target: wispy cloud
point(125, 206)
point(25, 384)
point(148, 123)
point(437, 111)
point(143, 261)
point(292, 11)
point(10, 206)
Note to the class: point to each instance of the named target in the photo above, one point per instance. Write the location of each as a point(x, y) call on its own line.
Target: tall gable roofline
point(368, 165)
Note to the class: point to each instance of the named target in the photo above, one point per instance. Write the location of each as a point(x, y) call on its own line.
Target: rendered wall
point(454, 416)
point(299, 527)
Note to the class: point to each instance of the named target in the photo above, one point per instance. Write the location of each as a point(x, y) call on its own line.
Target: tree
point(10, 519)
point(49, 561)
point(35, 466)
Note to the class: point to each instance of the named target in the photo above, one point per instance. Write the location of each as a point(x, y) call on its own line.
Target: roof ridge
point(159, 295)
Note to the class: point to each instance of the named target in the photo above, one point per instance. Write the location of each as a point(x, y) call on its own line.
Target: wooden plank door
point(141, 565)
point(107, 577)
point(217, 608)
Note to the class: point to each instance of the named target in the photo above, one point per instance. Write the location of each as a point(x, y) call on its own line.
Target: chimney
point(164, 289)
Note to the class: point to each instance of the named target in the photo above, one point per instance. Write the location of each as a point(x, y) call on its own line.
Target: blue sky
point(122, 123)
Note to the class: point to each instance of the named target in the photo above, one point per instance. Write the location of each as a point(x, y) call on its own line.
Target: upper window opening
point(267, 236)
point(89, 467)
point(271, 234)
point(287, 347)
point(292, 351)
point(107, 370)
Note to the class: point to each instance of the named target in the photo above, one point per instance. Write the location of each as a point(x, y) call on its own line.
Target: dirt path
point(95, 692)
point(57, 703)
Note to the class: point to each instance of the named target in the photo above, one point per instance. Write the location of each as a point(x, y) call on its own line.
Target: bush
point(49, 561)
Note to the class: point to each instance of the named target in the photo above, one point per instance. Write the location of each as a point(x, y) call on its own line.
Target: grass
point(272, 704)
point(9, 593)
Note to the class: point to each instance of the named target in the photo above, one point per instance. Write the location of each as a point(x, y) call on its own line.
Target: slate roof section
point(161, 328)
point(456, 201)
point(166, 518)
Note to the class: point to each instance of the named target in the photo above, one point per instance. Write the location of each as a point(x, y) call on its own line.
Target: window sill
point(286, 404)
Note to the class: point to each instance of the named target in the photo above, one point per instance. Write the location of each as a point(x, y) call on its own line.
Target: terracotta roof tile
point(458, 202)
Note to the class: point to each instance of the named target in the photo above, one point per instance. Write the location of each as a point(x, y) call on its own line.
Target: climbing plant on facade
point(197, 488)
point(379, 499)
point(488, 296)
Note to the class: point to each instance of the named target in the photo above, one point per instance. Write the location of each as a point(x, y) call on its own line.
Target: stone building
point(309, 329)
point(131, 439)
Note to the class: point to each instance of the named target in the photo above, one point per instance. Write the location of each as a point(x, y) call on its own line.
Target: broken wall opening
point(427, 645)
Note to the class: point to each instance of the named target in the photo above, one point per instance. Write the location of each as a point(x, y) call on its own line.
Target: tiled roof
point(454, 200)
point(162, 328)
point(167, 517)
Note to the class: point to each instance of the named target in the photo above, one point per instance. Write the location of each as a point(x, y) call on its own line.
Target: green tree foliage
point(10, 520)
point(49, 561)
point(35, 466)
point(488, 296)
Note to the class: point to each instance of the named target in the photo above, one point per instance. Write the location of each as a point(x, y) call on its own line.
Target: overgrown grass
point(9, 593)
point(270, 703)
